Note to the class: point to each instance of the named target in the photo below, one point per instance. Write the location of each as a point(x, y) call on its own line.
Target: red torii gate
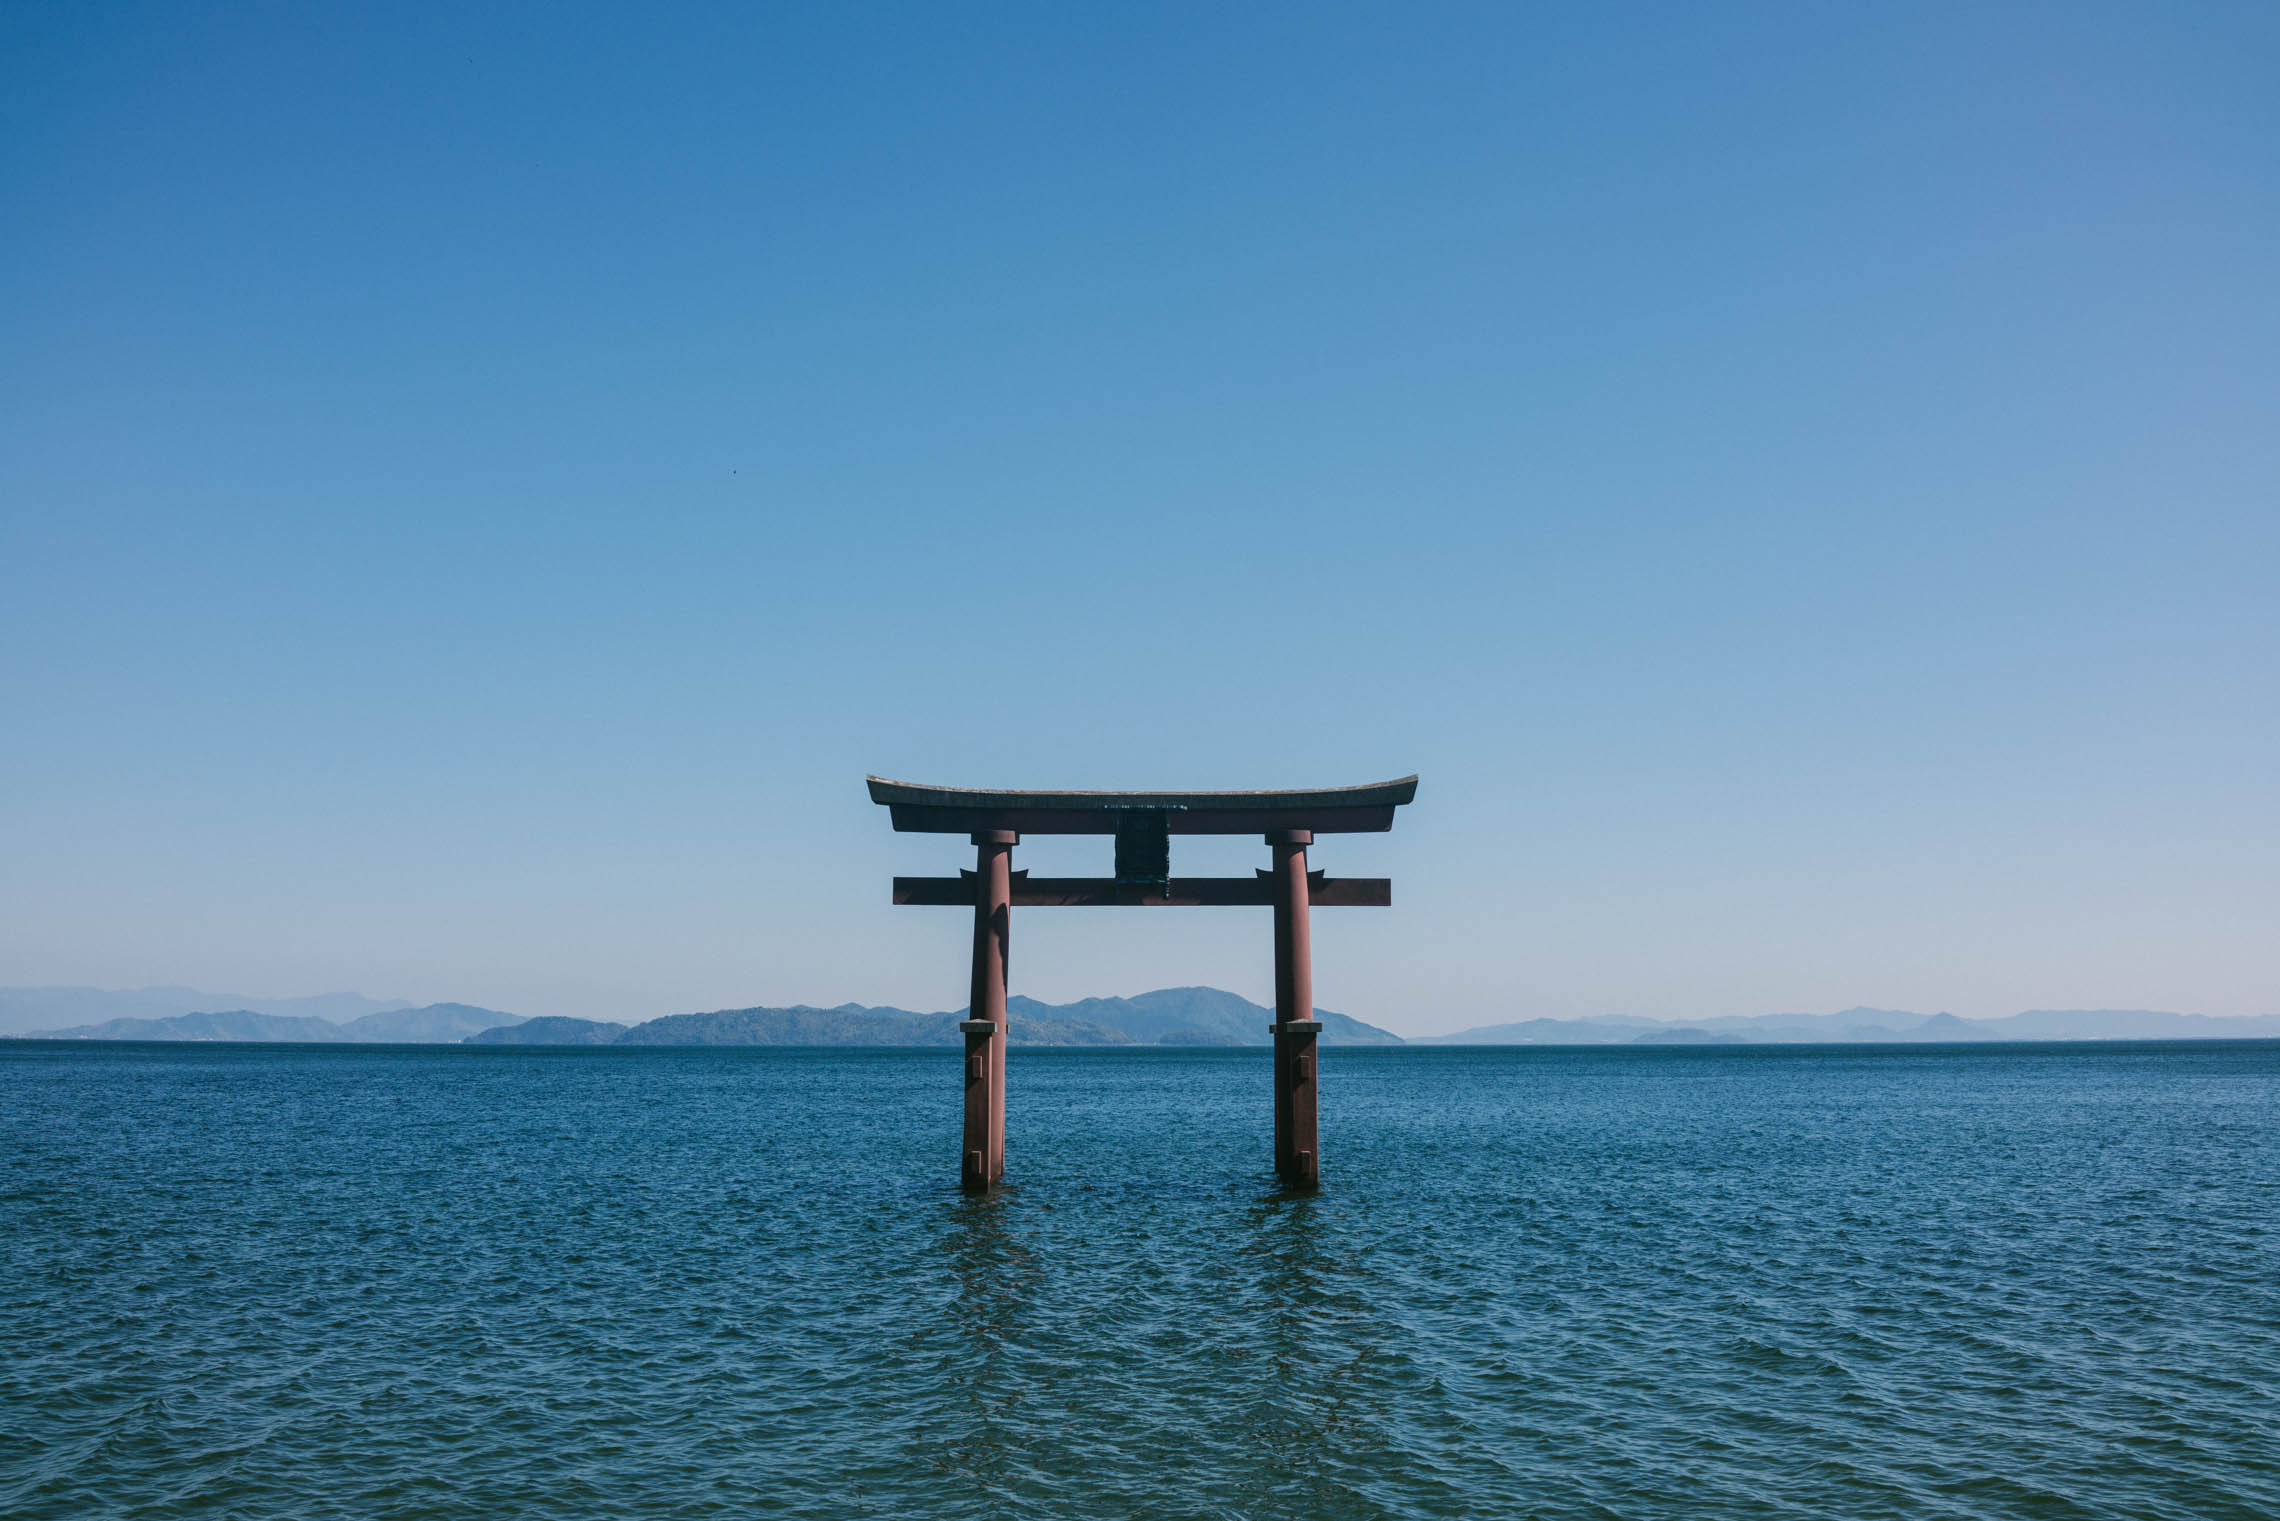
point(1143, 824)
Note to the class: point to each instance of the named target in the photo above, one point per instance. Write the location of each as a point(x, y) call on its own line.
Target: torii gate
point(1143, 823)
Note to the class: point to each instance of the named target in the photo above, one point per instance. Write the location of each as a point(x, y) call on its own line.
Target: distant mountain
point(231, 1024)
point(1151, 1018)
point(851, 1025)
point(2128, 1024)
point(1854, 1024)
point(549, 1030)
point(25, 1009)
point(1863, 1025)
point(1187, 1016)
point(1168, 1016)
point(438, 1023)
point(799, 1025)
point(1190, 1016)
point(1937, 1029)
point(1603, 1030)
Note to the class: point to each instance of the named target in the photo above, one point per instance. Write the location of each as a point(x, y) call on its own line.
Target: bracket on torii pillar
point(1143, 823)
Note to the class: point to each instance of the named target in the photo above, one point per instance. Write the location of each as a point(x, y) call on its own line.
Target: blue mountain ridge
point(1169, 1016)
point(1184, 1016)
point(1865, 1026)
point(437, 1024)
point(52, 1008)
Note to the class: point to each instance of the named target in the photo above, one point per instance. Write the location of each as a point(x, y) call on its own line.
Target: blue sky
point(480, 486)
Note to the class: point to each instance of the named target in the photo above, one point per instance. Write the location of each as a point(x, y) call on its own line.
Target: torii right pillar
point(985, 1025)
point(1298, 1154)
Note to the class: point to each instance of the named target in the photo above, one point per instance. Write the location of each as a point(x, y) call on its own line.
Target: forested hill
point(1168, 1017)
point(436, 1024)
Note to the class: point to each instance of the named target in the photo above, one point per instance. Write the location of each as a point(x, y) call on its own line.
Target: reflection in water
point(1285, 1264)
point(976, 1435)
point(1320, 1336)
point(988, 1266)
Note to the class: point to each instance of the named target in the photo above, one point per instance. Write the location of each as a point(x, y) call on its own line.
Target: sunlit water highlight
point(1829, 1282)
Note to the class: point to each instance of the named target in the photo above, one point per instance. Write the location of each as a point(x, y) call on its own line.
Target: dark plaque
point(1144, 848)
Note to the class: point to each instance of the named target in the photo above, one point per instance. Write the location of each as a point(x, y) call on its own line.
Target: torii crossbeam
point(1143, 824)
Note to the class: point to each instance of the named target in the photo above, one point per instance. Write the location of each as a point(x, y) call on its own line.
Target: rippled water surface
point(1830, 1282)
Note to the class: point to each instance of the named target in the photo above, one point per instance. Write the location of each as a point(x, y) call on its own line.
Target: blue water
point(1829, 1282)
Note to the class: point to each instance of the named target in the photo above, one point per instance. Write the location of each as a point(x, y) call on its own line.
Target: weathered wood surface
point(1180, 892)
point(917, 807)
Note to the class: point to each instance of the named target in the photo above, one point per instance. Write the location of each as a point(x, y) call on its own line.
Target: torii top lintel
point(969, 810)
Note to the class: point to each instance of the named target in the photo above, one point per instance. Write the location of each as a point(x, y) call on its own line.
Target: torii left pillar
point(985, 1024)
point(1298, 1154)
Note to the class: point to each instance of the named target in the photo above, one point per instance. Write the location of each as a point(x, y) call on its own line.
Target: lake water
point(299, 1282)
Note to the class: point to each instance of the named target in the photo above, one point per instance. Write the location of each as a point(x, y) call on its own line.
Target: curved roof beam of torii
point(964, 810)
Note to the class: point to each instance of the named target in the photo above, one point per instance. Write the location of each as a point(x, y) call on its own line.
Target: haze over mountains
point(437, 1024)
point(1191, 1016)
point(1863, 1026)
point(1168, 1016)
point(26, 1009)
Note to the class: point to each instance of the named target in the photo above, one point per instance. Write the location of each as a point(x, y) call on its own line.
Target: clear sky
point(480, 485)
